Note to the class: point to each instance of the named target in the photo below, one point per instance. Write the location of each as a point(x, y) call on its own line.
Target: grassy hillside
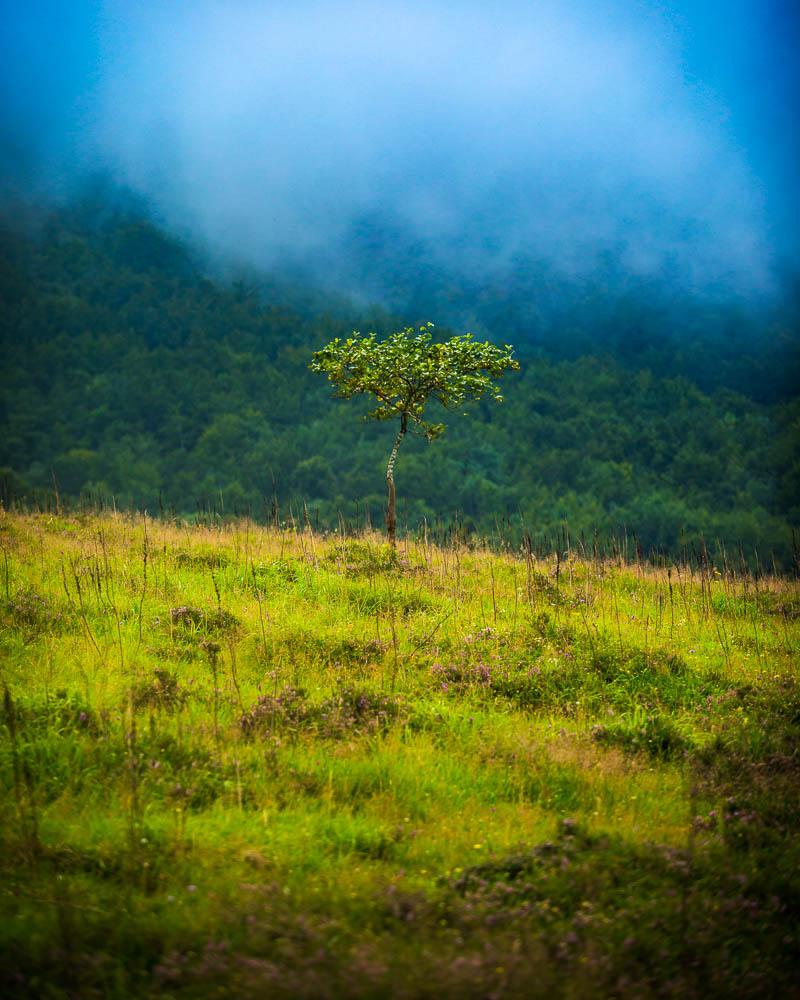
point(249, 762)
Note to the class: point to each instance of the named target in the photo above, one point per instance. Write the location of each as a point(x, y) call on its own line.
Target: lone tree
point(406, 371)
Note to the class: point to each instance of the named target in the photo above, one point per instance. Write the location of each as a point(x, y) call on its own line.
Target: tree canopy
point(409, 369)
point(405, 372)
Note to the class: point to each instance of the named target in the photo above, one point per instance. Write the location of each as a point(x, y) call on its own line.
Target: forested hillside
point(130, 372)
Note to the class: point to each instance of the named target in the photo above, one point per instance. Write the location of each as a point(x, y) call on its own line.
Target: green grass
point(246, 762)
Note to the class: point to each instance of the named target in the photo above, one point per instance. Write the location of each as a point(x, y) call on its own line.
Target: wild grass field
point(241, 761)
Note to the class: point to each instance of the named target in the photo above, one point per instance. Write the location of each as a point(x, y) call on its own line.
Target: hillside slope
point(249, 762)
point(129, 373)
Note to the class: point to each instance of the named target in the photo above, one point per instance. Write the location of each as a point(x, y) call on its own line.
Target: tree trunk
point(391, 506)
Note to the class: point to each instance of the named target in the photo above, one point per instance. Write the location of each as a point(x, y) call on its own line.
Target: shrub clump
point(211, 558)
point(161, 691)
point(34, 614)
point(522, 866)
point(352, 710)
point(63, 713)
point(348, 712)
point(273, 575)
point(359, 558)
point(288, 711)
point(356, 651)
point(200, 620)
point(461, 676)
point(656, 736)
point(652, 666)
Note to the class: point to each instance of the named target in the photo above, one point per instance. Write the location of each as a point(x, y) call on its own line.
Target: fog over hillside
point(656, 136)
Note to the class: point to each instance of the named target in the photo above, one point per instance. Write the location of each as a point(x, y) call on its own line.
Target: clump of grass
point(655, 735)
point(460, 677)
point(274, 575)
point(356, 711)
point(201, 620)
point(287, 712)
point(63, 713)
point(571, 837)
point(358, 558)
point(357, 651)
point(302, 643)
point(369, 600)
point(163, 690)
point(349, 712)
point(35, 614)
point(205, 558)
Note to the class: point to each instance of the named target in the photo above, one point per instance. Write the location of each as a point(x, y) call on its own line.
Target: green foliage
point(347, 713)
point(408, 369)
point(142, 383)
point(654, 735)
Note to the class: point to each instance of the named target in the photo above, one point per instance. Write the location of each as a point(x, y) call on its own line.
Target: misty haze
point(661, 136)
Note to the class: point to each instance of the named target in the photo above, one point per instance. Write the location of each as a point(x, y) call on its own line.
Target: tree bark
point(391, 506)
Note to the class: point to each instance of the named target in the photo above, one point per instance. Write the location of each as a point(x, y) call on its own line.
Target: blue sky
point(665, 131)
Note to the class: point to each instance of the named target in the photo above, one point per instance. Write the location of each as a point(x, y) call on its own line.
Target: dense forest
point(137, 373)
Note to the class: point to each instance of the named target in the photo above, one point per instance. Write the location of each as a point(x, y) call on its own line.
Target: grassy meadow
point(246, 761)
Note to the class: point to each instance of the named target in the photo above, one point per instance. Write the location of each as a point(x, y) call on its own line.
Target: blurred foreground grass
point(249, 762)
